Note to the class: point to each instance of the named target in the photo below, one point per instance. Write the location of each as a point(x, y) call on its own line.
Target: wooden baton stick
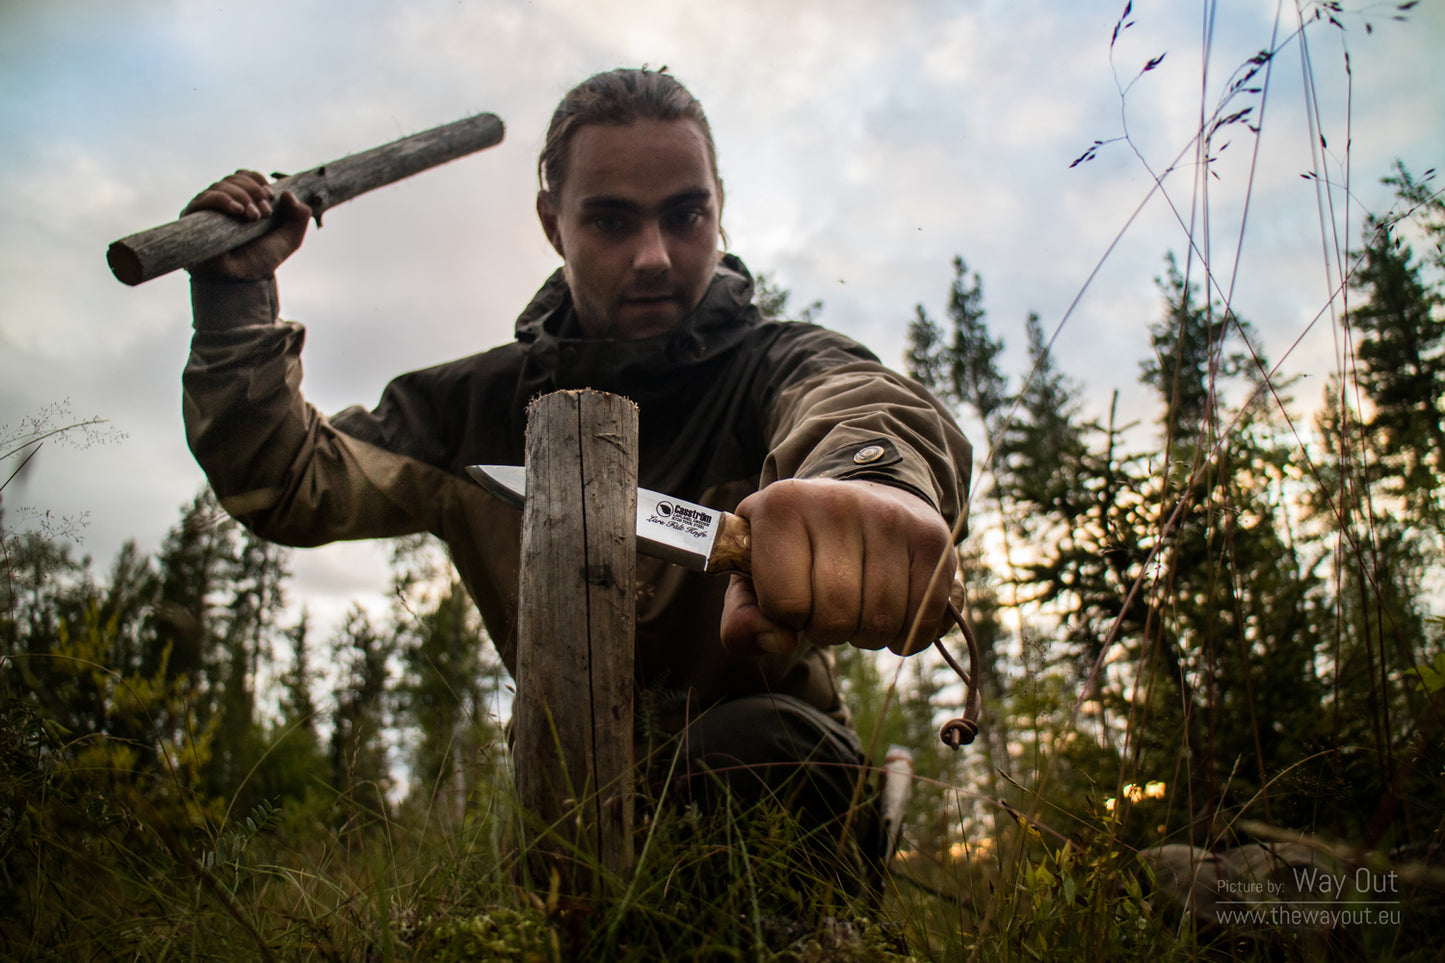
point(203, 235)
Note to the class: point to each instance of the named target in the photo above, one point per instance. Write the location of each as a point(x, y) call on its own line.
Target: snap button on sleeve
point(860, 458)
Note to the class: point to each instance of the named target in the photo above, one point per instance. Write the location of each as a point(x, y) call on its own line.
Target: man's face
point(636, 223)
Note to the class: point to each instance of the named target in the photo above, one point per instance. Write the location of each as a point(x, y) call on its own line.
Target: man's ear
point(548, 216)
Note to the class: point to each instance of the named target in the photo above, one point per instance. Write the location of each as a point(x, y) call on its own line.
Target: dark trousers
point(777, 749)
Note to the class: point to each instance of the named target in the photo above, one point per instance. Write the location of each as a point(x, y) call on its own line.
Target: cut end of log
point(124, 264)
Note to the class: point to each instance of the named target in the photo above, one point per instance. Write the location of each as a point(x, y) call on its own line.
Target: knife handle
point(732, 550)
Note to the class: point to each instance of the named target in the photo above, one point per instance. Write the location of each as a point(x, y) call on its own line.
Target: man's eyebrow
point(611, 202)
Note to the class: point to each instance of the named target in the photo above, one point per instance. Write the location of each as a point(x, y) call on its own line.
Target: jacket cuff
point(218, 304)
point(874, 459)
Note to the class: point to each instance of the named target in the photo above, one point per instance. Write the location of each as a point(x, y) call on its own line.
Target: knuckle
point(785, 496)
point(838, 618)
point(931, 548)
point(790, 610)
point(834, 630)
point(873, 624)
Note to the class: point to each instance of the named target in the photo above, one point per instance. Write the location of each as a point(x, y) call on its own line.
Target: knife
point(708, 540)
point(696, 537)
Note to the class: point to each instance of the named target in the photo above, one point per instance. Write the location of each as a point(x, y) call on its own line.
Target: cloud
point(863, 145)
point(67, 202)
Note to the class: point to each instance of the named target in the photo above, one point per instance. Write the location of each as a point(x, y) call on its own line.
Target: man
point(850, 475)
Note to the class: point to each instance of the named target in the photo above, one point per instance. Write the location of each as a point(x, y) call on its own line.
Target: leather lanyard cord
point(957, 733)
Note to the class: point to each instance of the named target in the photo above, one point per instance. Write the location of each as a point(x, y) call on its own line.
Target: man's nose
point(651, 256)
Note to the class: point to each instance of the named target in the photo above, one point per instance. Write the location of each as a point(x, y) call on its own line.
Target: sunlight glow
point(1135, 793)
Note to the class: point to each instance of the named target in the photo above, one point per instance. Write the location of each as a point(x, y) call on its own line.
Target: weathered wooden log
point(573, 750)
point(205, 234)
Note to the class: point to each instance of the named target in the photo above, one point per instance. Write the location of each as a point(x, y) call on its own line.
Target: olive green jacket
point(728, 402)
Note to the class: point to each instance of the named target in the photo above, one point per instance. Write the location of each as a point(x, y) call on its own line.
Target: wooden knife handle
point(732, 551)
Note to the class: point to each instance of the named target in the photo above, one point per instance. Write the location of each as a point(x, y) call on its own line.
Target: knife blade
point(694, 536)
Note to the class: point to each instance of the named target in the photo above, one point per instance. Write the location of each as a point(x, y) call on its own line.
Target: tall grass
point(95, 869)
point(102, 863)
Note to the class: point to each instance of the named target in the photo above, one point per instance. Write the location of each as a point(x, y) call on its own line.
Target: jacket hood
point(549, 331)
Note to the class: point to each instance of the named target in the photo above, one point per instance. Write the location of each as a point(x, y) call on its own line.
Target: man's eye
point(688, 217)
point(609, 224)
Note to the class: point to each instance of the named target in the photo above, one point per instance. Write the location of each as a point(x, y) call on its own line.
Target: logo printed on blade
point(685, 519)
point(675, 529)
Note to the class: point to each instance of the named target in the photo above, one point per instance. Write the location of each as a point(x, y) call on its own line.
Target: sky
point(863, 145)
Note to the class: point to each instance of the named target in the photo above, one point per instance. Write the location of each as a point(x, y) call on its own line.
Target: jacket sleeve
point(275, 462)
point(842, 414)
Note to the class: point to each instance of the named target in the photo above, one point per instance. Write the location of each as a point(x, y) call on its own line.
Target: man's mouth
point(649, 301)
